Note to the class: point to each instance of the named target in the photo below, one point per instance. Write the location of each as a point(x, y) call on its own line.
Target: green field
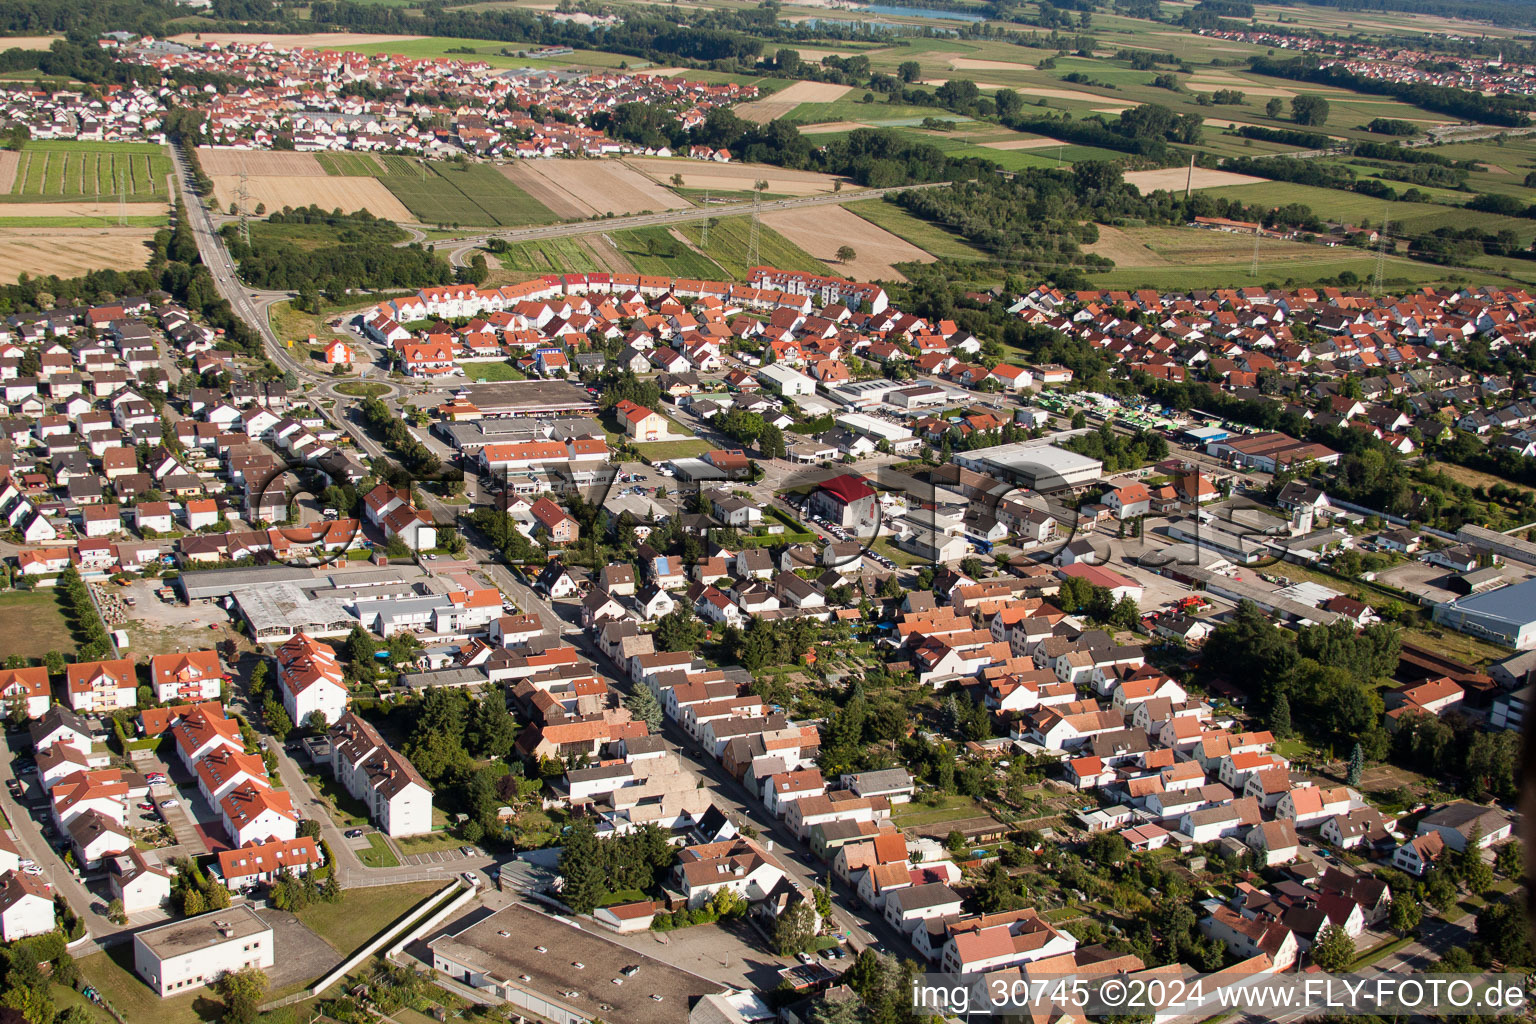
point(549, 256)
point(445, 192)
point(90, 170)
point(730, 247)
point(926, 235)
point(496, 54)
point(653, 250)
point(33, 624)
point(1353, 208)
point(350, 165)
point(378, 854)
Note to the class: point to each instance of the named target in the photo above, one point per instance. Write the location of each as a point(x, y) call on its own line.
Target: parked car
point(353, 833)
point(805, 957)
point(468, 851)
point(146, 807)
point(170, 803)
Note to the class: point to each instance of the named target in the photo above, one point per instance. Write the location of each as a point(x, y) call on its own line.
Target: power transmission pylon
point(122, 202)
point(1253, 271)
point(753, 240)
point(704, 231)
point(1381, 254)
point(243, 195)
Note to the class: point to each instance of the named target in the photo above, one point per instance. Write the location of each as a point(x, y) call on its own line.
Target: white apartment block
point(194, 952)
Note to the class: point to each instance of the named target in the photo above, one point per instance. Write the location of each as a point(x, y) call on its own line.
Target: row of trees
point(594, 869)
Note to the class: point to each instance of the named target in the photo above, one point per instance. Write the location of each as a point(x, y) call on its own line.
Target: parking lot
point(445, 855)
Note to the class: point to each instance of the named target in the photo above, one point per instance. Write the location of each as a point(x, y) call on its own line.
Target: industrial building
point(786, 381)
point(1506, 616)
point(1039, 465)
point(582, 977)
point(529, 398)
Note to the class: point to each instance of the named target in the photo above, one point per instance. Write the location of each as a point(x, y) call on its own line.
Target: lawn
point(445, 192)
point(33, 624)
point(346, 810)
point(888, 548)
point(111, 974)
point(90, 170)
point(361, 389)
point(427, 842)
point(661, 451)
point(363, 913)
point(493, 371)
point(730, 247)
point(950, 808)
point(378, 854)
point(349, 165)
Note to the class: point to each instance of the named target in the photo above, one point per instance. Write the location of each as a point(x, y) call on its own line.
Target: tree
point(1440, 889)
point(1126, 613)
point(309, 828)
point(1334, 950)
point(846, 253)
point(316, 722)
point(1477, 876)
point(1310, 110)
point(582, 869)
point(909, 71)
point(1356, 765)
point(276, 718)
point(644, 706)
point(1510, 860)
point(65, 971)
point(1274, 107)
point(1405, 915)
point(1280, 717)
point(242, 992)
point(679, 630)
point(1503, 934)
point(795, 929)
point(116, 913)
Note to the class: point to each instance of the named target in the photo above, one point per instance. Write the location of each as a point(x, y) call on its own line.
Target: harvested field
point(1242, 87)
point(314, 39)
point(973, 64)
point(1175, 178)
point(782, 102)
point(662, 72)
point(1058, 94)
point(29, 42)
point(1022, 144)
point(580, 188)
point(734, 177)
point(1126, 250)
point(70, 252)
point(328, 193)
point(257, 162)
point(822, 230)
point(83, 209)
point(829, 127)
point(9, 159)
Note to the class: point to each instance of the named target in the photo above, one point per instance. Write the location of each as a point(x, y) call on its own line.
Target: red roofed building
point(189, 675)
point(261, 862)
point(311, 680)
point(25, 688)
point(256, 813)
point(846, 500)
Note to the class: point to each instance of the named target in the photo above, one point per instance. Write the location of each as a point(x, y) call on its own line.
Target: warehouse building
point(1506, 616)
point(1038, 465)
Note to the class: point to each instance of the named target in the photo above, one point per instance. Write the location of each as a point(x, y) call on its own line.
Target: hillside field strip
point(71, 251)
point(276, 191)
point(315, 40)
point(782, 102)
point(1175, 178)
point(822, 230)
point(735, 177)
point(581, 188)
point(730, 246)
point(74, 170)
point(442, 192)
point(1174, 258)
point(224, 160)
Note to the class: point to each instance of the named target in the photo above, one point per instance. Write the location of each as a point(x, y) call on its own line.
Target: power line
point(1381, 251)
